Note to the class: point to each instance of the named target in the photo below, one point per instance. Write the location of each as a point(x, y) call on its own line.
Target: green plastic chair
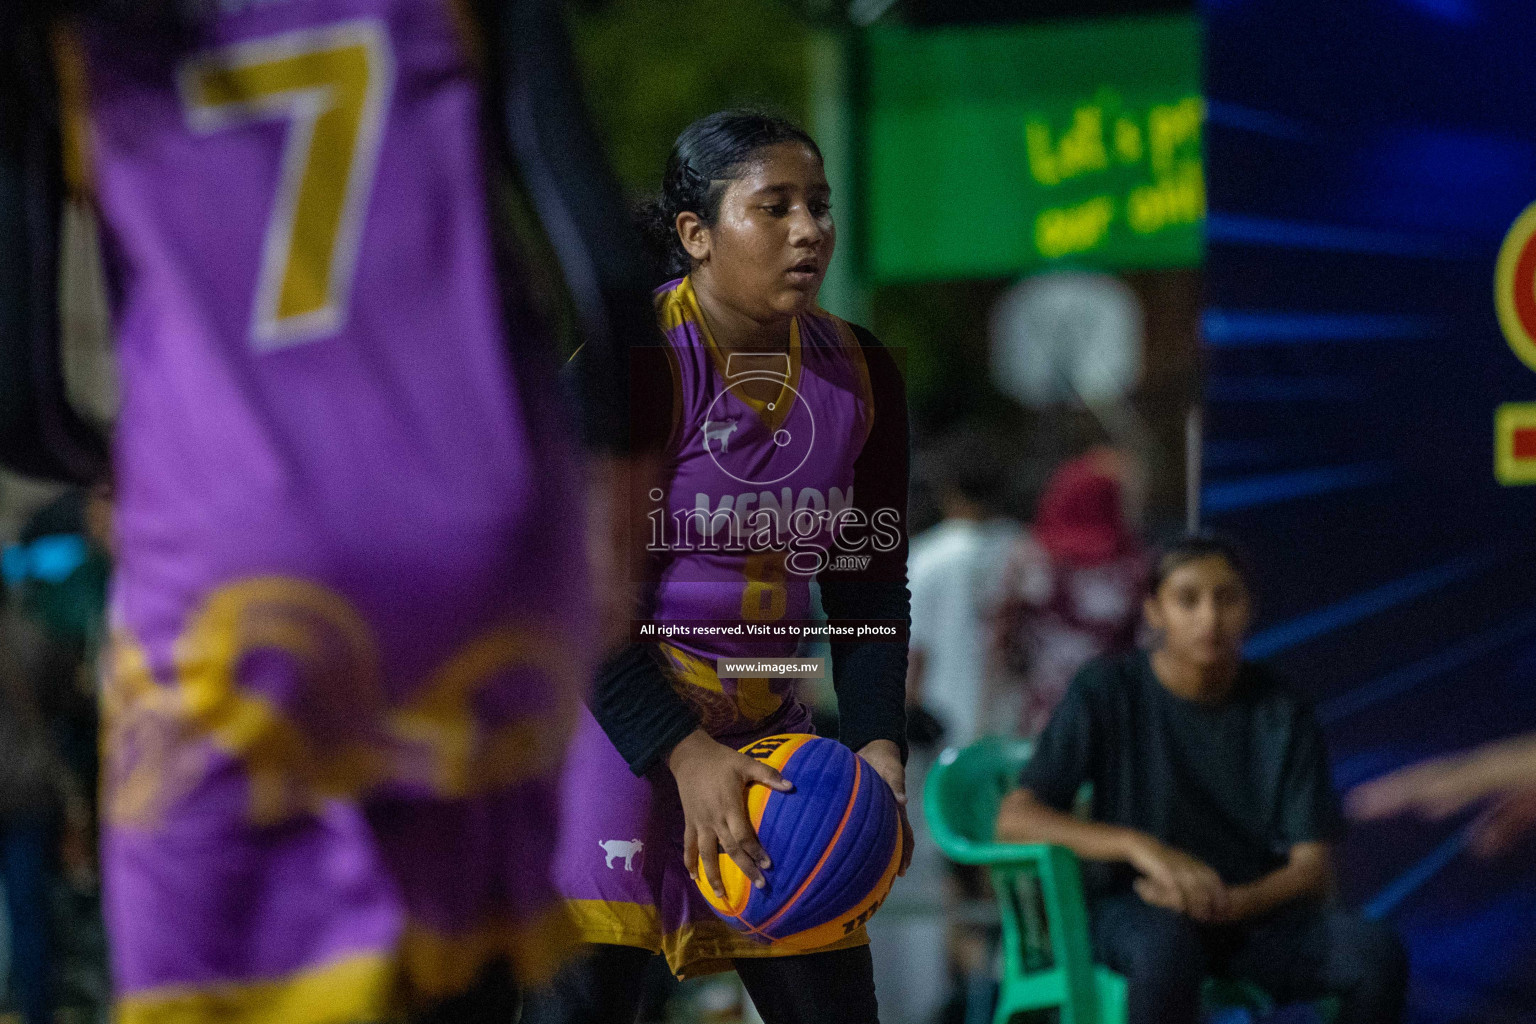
point(1047, 957)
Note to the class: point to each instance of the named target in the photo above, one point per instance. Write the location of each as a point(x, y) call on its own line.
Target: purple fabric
point(605, 804)
point(399, 462)
point(810, 466)
point(608, 812)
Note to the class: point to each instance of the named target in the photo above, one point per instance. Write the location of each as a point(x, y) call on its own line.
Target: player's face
point(768, 250)
point(1202, 611)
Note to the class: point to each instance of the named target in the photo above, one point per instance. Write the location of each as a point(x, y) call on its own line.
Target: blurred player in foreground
point(351, 622)
point(787, 448)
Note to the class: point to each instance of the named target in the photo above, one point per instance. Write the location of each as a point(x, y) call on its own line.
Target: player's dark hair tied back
point(708, 154)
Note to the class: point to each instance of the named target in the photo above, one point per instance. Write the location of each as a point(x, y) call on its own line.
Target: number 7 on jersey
point(332, 86)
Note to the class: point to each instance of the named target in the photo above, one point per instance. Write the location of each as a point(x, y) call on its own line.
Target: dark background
point(1364, 162)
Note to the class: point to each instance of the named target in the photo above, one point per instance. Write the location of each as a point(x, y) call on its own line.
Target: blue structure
point(1365, 162)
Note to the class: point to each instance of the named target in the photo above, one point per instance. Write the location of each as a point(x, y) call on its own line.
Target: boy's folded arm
point(1307, 873)
point(1024, 818)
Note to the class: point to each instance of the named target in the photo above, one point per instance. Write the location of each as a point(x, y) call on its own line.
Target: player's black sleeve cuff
point(638, 709)
point(870, 676)
point(543, 129)
point(41, 434)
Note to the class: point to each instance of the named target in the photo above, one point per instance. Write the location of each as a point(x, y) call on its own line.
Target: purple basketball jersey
point(739, 532)
point(755, 490)
point(350, 611)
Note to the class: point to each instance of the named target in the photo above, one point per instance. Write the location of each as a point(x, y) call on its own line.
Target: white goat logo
point(619, 848)
point(721, 432)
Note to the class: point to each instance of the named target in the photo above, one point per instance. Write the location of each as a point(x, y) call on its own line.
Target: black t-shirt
point(1235, 783)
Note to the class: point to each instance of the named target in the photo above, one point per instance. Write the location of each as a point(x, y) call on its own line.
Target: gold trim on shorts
point(437, 965)
point(348, 991)
point(369, 987)
point(694, 950)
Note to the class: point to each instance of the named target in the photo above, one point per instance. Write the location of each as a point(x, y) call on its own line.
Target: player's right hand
point(712, 781)
point(1177, 881)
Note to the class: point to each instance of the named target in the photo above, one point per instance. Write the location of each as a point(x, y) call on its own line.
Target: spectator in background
point(33, 790)
point(58, 571)
point(60, 565)
point(1213, 813)
point(955, 573)
point(1074, 584)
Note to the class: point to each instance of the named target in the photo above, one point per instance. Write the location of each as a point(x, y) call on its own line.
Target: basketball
point(835, 843)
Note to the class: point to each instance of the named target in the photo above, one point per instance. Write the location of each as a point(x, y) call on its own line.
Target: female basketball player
point(350, 614)
point(781, 419)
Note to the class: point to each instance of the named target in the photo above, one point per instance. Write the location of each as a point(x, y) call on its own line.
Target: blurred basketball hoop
point(1075, 340)
point(1065, 338)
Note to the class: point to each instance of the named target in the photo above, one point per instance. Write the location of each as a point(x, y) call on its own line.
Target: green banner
point(994, 151)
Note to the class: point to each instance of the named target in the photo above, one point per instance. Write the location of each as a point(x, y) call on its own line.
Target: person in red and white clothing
point(1074, 584)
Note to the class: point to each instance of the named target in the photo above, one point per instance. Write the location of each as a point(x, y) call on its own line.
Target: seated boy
point(1208, 849)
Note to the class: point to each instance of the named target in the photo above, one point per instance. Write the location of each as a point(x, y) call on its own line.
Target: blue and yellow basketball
point(835, 843)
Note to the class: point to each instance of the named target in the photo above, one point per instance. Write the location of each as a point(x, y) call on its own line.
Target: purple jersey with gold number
point(757, 487)
point(756, 477)
point(349, 616)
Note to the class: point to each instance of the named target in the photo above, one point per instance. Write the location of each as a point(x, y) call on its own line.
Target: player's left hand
point(885, 758)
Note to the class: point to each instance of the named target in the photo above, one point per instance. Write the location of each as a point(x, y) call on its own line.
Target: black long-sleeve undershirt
point(40, 434)
point(870, 676)
point(541, 120)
